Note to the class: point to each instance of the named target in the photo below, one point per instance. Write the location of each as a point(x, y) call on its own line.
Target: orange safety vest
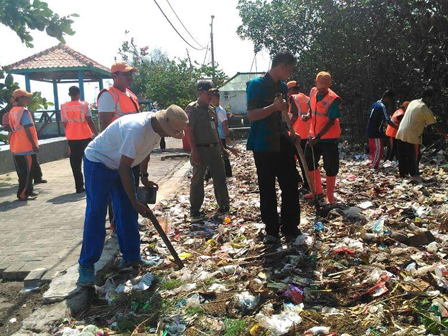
point(74, 114)
point(19, 142)
point(124, 104)
point(301, 127)
point(319, 115)
point(390, 131)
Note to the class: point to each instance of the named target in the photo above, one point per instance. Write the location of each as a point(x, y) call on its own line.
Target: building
point(233, 92)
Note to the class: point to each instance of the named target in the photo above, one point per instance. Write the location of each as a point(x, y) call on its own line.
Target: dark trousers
point(330, 153)
point(162, 144)
point(281, 165)
point(77, 148)
point(24, 168)
point(37, 171)
point(392, 150)
point(408, 158)
point(303, 143)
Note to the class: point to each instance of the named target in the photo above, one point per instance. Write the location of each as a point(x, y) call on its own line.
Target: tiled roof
point(60, 56)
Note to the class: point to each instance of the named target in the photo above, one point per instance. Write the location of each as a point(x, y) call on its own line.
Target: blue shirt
point(265, 134)
point(377, 119)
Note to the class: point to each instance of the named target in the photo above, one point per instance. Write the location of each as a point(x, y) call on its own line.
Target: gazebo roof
point(60, 63)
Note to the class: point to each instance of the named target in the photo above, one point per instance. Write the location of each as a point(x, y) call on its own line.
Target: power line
point(169, 4)
point(166, 17)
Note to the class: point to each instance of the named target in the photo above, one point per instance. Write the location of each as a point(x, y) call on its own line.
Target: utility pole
point(212, 49)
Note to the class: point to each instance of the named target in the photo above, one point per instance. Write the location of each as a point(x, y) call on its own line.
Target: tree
point(367, 45)
point(164, 80)
point(22, 16)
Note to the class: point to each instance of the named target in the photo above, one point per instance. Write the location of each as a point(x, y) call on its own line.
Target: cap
point(205, 85)
point(121, 67)
point(173, 121)
point(21, 93)
point(323, 79)
point(74, 90)
point(292, 84)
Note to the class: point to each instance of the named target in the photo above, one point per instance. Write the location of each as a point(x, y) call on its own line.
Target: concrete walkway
point(47, 232)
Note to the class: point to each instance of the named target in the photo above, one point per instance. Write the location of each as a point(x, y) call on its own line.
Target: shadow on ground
point(10, 205)
point(67, 198)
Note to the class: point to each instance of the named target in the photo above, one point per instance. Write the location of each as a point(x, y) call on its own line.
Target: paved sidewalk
point(47, 232)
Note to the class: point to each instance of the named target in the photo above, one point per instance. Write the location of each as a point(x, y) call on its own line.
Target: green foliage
point(194, 311)
point(6, 90)
point(22, 16)
point(367, 46)
point(171, 284)
point(164, 80)
point(235, 327)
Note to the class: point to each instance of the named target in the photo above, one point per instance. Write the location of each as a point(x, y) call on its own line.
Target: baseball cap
point(21, 93)
point(173, 121)
point(205, 85)
point(291, 84)
point(323, 79)
point(121, 67)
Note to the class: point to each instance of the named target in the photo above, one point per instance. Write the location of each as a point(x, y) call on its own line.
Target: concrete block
point(63, 286)
point(46, 317)
point(34, 277)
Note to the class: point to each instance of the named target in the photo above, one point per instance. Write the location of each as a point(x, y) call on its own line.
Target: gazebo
point(59, 65)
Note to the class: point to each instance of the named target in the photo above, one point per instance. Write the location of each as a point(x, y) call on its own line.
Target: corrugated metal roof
point(239, 81)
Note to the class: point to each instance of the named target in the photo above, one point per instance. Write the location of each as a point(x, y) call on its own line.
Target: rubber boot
point(331, 182)
point(316, 184)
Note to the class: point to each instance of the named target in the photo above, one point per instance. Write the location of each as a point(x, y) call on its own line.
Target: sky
point(102, 25)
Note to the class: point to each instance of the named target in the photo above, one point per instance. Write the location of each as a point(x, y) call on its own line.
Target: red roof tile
point(60, 56)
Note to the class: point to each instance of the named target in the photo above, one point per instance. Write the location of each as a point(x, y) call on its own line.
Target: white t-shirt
point(131, 135)
point(222, 116)
point(106, 103)
point(411, 128)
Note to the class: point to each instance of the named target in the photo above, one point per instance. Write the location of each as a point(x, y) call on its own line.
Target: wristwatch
point(144, 174)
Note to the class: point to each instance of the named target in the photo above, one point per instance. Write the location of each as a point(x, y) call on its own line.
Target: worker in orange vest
point(23, 143)
point(325, 130)
point(118, 100)
point(115, 102)
point(79, 128)
point(391, 132)
point(298, 106)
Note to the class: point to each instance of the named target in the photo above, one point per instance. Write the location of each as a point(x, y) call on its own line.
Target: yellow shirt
point(418, 114)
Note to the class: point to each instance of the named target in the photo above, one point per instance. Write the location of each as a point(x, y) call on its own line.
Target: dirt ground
point(14, 304)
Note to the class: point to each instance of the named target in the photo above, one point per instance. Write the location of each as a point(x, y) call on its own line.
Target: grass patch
point(170, 284)
point(210, 281)
point(194, 310)
point(235, 327)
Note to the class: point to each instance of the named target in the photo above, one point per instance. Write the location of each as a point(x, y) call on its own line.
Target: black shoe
point(34, 194)
point(197, 217)
point(40, 181)
point(292, 236)
point(80, 190)
point(27, 198)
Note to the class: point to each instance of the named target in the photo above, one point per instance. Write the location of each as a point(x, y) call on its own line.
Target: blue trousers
point(101, 183)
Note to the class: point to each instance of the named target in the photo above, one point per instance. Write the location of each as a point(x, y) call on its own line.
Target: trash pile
point(373, 264)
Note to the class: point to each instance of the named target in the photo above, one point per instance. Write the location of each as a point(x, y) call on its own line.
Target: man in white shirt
point(223, 128)
point(409, 134)
point(108, 162)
